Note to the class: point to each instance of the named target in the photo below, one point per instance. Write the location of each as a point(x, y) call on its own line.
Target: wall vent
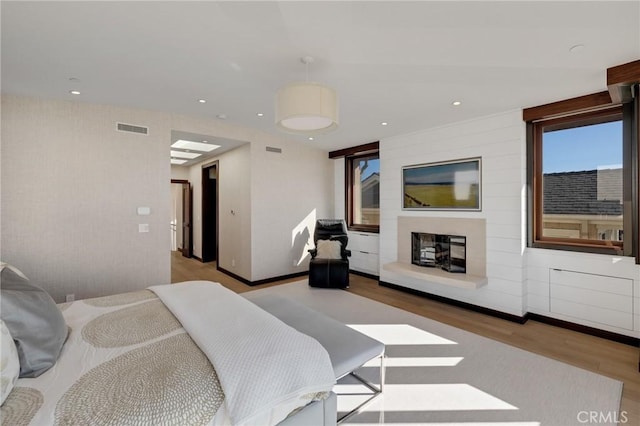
point(122, 127)
point(274, 149)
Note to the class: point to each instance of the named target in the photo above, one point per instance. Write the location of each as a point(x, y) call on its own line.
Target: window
point(363, 192)
point(578, 171)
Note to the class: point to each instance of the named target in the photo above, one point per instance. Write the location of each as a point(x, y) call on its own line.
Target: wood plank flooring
point(611, 359)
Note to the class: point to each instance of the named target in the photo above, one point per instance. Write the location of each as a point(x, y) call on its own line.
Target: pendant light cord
point(306, 60)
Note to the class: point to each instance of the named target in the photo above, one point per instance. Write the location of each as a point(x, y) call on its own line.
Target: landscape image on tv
point(453, 185)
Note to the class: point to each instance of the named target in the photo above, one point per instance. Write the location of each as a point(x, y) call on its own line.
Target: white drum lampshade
point(307, 108)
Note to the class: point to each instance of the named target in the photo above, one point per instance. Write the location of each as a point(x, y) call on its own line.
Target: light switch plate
point(143, 227)
point(144, 211)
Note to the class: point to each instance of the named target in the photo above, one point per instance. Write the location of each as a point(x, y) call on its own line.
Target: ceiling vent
point(122, 127)
point(274, 149)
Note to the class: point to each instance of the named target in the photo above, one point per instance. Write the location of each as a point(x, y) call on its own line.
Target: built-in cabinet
point(600, 299)
point(593, 290)
point(365, 249)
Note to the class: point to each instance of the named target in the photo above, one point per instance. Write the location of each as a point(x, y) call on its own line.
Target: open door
point(210, 212)
point(187, 232)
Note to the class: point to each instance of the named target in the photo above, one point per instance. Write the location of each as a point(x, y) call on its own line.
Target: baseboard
point(264, 281)
point(609, 335)
point(364, 274)
point(465, 305)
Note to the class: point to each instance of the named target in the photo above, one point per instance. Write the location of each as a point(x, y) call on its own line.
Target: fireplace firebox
point(448, 252)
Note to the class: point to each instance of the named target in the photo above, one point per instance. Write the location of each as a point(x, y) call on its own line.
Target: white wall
point(268, 206)
point(234, 183)
point(518, 277)
point(71, 185)
point(271, 195)
point(289, 191)
point(500, 141)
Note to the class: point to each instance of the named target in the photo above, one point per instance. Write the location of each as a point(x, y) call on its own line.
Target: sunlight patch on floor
point(400, 334)
point(432, 397)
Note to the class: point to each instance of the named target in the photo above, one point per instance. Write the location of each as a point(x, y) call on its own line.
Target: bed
point(192, 353)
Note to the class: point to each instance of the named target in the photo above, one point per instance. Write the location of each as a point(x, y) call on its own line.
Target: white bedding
point(129, 361)
point(261, 362)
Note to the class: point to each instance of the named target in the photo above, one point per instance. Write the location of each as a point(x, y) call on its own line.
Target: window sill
point(364, 228)
point(581, 248)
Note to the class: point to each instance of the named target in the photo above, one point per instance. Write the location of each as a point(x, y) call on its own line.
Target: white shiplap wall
point(500, 141)
point(518, 277)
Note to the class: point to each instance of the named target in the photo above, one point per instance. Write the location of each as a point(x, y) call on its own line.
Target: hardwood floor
point(611, 359)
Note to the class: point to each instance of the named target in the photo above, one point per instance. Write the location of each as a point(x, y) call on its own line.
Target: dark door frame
point(216, 246)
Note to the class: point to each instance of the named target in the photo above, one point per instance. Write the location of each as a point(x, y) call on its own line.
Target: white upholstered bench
point(348, 349)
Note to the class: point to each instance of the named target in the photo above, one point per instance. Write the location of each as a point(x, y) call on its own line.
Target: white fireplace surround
point(473, 229)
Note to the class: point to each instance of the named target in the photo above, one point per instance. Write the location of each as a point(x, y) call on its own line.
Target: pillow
point(34, 321)
point(9, 362)
point(13, 268)
point(328, 249)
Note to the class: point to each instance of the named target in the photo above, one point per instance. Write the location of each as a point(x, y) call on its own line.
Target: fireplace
point(448, 252)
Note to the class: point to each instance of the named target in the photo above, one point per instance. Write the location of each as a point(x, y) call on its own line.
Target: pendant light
point(306, 107)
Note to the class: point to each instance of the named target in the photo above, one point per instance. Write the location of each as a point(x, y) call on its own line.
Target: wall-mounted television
point(450, 185)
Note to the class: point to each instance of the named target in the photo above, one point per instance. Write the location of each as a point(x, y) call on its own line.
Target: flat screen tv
point(451, 185)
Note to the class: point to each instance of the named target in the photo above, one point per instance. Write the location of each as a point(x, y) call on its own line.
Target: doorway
point(210, 212)
point(181, 217)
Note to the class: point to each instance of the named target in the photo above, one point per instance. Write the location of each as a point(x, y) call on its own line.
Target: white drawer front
point(602, 283)
point(364, 242)
point(593, 314)
point(364, 262)
point(596, 298)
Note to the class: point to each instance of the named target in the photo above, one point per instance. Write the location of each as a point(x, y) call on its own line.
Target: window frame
point(535, 132)
point(349, 184)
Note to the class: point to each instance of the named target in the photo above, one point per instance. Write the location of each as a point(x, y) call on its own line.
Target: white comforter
point(129, 361)
point(260, 361)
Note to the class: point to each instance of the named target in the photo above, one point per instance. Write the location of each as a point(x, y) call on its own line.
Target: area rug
point(441, 375)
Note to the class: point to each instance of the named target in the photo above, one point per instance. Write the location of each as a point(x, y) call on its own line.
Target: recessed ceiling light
point(196, 146)
point(456, 103)
point(310, 138)
point(202, 101)
point(183, 154)
point(177, 161)
point(222, 116)
point(384, 123)
point(260, 114)
point(74, 92)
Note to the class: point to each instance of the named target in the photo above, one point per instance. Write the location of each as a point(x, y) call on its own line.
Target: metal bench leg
point(377, 390)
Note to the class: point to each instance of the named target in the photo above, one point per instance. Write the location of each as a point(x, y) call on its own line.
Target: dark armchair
point(329, 265)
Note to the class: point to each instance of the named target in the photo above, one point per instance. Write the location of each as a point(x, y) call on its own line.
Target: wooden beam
point(567, 106)
point(355, 150)
point(620, 79)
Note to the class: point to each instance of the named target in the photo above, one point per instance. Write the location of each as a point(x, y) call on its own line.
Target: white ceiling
point(399, 62)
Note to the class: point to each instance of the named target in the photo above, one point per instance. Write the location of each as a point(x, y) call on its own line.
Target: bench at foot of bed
point(348, 349)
